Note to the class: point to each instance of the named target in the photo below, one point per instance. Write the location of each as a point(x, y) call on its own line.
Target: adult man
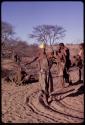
point(45, 77)
point(65, 56)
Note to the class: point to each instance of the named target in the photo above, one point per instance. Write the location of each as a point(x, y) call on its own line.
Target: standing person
point(60, 59)
point(80, 59)
point(65, 56)
point(17, 59)
point(81, 52)
point(45, 77)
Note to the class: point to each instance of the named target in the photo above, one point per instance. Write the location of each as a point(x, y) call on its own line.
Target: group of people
point(47, 60)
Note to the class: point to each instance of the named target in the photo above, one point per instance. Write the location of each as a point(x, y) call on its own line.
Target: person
point(60, 59)
point(17, 59)
point(65, 57)
point(74, 61)
point(81, 52)
point(80, 59)
point(45, 77)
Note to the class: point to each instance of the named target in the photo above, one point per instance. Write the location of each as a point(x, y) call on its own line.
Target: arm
point(32, 60)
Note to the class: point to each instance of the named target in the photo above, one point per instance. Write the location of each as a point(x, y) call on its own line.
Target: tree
point(48, 34)
point(7, 31)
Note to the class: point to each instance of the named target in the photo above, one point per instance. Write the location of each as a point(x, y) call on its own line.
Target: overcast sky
point(26, 15)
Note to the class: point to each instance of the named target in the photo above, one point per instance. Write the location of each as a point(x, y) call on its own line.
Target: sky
point(25, 15)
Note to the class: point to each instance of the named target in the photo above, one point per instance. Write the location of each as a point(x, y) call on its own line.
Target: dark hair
point(61, 44)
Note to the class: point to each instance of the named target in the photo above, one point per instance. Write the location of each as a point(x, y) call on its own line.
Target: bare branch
point(47, 33)
point(6, 31)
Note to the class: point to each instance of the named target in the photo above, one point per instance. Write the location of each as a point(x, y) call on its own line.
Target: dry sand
point(20, 104)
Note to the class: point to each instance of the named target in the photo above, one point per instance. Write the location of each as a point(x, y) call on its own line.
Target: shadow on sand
point(79, 92)
point(72, 90)
point(77, 82)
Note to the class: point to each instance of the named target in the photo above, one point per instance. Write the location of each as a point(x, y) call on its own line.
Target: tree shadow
point(79, 92)
point(77, 82)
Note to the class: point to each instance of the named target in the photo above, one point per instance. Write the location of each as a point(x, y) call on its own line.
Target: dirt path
point(20, 104)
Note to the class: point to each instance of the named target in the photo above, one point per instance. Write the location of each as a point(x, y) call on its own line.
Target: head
point(42, 48)
point(50, 54)
point(74, 57)
point(81, 45)
point(61, 46)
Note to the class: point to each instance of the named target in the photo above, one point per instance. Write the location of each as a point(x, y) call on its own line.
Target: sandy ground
point(20, 104)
